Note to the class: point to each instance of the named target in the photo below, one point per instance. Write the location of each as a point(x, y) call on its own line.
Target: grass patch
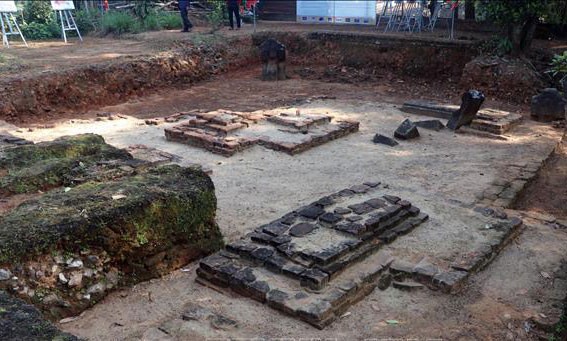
point(118, 23)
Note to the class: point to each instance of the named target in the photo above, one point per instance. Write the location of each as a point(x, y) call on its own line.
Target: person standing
point(233, 7)
point(184, 8)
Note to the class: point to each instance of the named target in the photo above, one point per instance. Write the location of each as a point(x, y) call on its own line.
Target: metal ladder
point(68, 24)
point(9, 26)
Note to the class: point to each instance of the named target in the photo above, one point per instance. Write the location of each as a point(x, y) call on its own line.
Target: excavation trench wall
point(113, 82)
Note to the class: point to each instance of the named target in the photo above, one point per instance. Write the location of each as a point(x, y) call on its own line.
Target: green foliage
point(170, 21)
point(142, 9)
point(39, 31)
point(39, 12)
point(559, 65)
point(513, 11)
point(151, 22)
point(118, 23)
point(504, 46)
point(217, 15)
point(88, 21)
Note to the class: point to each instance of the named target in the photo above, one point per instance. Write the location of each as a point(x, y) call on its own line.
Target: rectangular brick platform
point(317, 261)
point(313, 263)
point(489, 120)
point(226, 132)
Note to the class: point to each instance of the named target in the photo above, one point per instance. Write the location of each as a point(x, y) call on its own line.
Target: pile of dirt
point(107, 220)
point(27, 98)
point(513, 80)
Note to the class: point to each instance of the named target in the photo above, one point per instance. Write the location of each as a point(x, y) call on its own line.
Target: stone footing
point(227, 133)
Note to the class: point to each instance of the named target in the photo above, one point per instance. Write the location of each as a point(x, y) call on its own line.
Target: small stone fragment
point(314, 279)
point(75, 264)
point(384, 281)
point(98, 288)
point(76, 280)
point(62, 278)
point(376, 203)
point(382, 139)
point(392, 198)
point(330, 218)
point(311, 212)
point(301, 229)
point(430, 124)
point(276, 229)
point(342, 210)
point(5, 275)
point(354, 218)
point(407, 285)
point(407, 130)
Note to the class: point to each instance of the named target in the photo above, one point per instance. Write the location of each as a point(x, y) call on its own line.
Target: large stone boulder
point(549, 105)
point(102, 219)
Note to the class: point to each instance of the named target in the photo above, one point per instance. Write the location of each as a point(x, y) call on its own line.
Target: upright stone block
point(471, 103)
point(273, 55)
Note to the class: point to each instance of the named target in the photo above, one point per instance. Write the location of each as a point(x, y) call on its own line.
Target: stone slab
point(489, 120)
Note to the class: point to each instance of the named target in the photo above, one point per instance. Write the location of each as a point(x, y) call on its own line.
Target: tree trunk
point(469, 10)
point(521, 36)
point(528, 35)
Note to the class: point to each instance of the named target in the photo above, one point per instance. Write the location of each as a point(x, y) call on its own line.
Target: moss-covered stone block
point(122, 222)
point(21, 321)
point(63, 162)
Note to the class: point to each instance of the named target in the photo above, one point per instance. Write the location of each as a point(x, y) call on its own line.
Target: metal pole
point(62, 26)
point(75, 25)
point(19, 31)
point(4, 36)
point(452, 24)
point(254, 18)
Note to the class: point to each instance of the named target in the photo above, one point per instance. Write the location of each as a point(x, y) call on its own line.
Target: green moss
point(162, 207)
point(57, 163)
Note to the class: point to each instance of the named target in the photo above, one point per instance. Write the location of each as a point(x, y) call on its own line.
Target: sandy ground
point(258, 185)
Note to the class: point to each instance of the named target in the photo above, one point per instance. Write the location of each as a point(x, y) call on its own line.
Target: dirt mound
point(510, 79)
point(25, 99)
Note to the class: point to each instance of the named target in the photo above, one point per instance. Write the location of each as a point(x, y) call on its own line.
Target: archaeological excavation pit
point(222, 205)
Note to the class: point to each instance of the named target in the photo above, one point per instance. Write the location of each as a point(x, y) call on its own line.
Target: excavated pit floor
point(442, 173)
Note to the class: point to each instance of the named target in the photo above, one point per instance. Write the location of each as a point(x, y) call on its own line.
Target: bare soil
point(548, 193)
point(258, 185)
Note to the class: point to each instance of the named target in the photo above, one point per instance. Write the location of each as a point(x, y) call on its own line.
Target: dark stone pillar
point(272, 53)
point(471, 102)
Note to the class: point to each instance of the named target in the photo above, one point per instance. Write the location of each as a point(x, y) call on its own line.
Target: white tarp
point(8, 6)
point(62, 5)
point(355, 12)
point(316, 8)
point(337, 11)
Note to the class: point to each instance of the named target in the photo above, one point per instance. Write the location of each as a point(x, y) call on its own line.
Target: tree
point(520, 18)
